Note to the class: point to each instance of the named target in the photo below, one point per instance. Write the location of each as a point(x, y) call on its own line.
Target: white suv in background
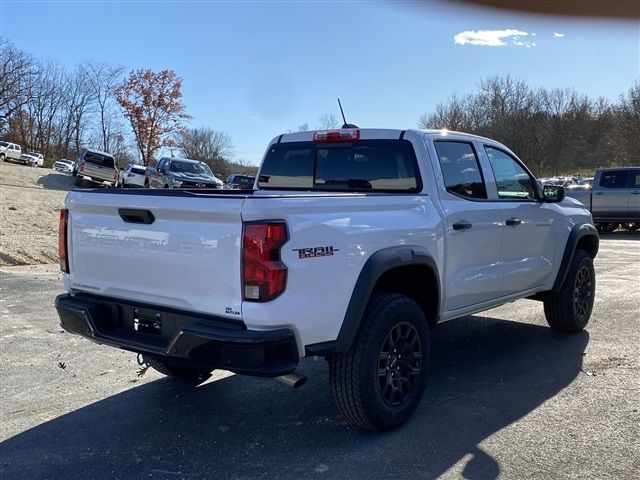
point(131, 176)
point(10, 151)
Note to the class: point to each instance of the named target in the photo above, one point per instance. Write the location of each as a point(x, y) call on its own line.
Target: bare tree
point(328, 121)
point(210, 146)
point(104, 79)
point(16, 71)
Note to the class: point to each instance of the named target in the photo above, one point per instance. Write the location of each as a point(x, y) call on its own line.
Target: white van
point(10, 151)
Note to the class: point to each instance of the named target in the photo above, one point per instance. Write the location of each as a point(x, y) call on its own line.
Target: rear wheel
point(2, 157)
point(380, 381)
point(78, 182)
point(569, 309)
point(192, 375)
point(146, 184)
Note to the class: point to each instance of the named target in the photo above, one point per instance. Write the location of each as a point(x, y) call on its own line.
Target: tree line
point(49, 109)
point(555, 131)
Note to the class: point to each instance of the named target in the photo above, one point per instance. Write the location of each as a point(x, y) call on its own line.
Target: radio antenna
point(345, 125)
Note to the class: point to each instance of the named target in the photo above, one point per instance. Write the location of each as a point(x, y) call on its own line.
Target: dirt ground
point(30, 202)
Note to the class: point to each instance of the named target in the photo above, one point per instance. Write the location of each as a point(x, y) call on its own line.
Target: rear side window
point(614, 179)
point(366, 165)
point(460, 169)
point(104, 160)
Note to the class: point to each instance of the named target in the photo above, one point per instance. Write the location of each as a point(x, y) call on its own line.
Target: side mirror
point(552, 193)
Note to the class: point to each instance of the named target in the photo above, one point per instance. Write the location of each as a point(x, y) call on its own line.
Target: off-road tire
point(569, 309)
point(356, 376)
point(194, 376)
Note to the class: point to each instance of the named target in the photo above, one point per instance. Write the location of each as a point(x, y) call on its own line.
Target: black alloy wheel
point(583, 292)
point(399, 364)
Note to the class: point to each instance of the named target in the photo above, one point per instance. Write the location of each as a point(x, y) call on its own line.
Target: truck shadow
point(486, 373)
point(56, 181)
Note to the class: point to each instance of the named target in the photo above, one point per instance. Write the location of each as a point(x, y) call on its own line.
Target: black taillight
point(264, 276)
point(63, 252)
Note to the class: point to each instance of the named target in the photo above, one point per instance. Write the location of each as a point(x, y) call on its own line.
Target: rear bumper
point(182, 337)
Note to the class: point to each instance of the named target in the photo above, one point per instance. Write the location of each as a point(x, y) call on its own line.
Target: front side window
point(614, 179)
point(513, 181)
point(365, 165)
point(460, 169)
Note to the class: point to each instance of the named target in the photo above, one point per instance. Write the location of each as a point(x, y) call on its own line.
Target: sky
point(257, 69)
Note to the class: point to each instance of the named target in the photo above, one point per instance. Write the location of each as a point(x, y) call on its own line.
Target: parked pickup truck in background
point(614, 198)
point(32, 159)
point(353, 245)
point(181, 173)
point(10, 151)
point(96, 167)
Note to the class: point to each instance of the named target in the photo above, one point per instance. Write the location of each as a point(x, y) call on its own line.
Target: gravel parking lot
point(508, 398)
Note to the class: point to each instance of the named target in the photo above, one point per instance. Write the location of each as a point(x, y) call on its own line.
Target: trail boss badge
point(314, 252)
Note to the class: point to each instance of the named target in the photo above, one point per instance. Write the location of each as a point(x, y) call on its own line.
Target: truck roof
point(376, 133)
point(99, 152)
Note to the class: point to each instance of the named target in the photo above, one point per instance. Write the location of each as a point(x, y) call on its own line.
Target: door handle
point(133, 215)
point(513, 222)
point(635, 193)
point(599, 193)
point(462, 225)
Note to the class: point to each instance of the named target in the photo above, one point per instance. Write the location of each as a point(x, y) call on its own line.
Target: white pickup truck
point(352, 244)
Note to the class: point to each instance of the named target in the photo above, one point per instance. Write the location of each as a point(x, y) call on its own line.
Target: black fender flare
point(578, 232)
point(376, 265)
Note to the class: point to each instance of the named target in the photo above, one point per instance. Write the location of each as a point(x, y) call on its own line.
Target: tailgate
point(187, 258)
point(98, 171)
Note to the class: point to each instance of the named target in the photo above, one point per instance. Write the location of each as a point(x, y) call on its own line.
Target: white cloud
point(493, 38)
point(558, 35)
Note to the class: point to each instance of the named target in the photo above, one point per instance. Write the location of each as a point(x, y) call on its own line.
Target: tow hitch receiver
point(145, 324)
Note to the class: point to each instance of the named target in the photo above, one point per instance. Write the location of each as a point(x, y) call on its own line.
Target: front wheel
point(2, 157)
point(569, 309)
point(380, 381)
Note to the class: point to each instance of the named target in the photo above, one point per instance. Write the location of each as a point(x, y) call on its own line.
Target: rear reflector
point(63, 253)
point(345, 135)
point(264, 276)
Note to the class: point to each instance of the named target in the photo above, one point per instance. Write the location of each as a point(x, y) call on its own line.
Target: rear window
point(138, 170)
point(367, 165)
point(4, 144)
point(99, 159)
point(242, 180)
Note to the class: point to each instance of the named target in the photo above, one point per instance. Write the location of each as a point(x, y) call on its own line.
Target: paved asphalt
point(508, 398)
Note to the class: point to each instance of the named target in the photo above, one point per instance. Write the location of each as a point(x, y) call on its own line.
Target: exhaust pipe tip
point(292, 380)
